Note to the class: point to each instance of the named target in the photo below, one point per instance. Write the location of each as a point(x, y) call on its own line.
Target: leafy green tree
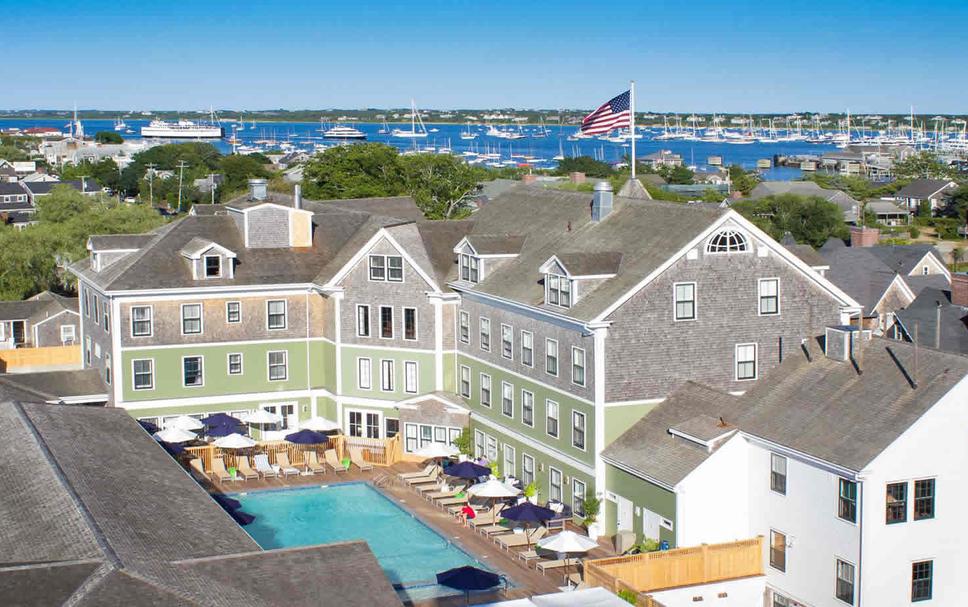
point(810, 219)
point(742, 180)
point(108, 137)
point(678, 175)
point(957, 256)
point(440, 184)
point(585, 164)
point(354, 171)
point(923, 165)
point(105, 172)
point(237, 169)
point(12, 153)
point(958, 205)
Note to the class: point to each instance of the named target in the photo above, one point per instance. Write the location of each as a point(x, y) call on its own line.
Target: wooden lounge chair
point(262, 466)
point(528, 555)
point(285, 468)
point(488, 517)
point(546, 566)
point(520, 539)
point(425, 472)
point(440, 495)
point(243, 468)
point(334, 462)
point(453, 504)
point(198, 470)
point(494, 530)
point(423, 480)
point(356, 457)
point(218, 469)
point(428, 488)
point(312, 463)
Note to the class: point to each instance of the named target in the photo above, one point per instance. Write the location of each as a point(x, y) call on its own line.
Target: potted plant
point(531, 492)
point(495, 469)
point(591, 505)
point(463, 444)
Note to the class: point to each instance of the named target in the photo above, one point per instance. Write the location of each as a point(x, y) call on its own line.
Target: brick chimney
point(576, 177)
point(864, 237)
point(529, 178)
point(959, 289)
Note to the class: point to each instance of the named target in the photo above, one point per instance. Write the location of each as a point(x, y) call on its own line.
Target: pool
point(410, 552)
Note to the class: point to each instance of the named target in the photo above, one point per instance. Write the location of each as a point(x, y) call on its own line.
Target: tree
point(585, 164)
point(354, 171)
point(742, 180)
point(679, 174)
point(923, 165)
point(12, 153)
point(108, 137)
point(810, 219)
point(958, 205)
point(439, 183)
point(105, 172)
point(238, 169)
point(957, 256)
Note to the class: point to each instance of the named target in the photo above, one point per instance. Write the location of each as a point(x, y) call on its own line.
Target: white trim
point(584, 367)
point(557, 419)
point(285, 314)
point(227, 318)
point(531, 334)
point(527, 378)
point(181, 370)
point(438, 306)
point(228, 363)
point(759, 296)
point(584, 417)
point(393, 372)
point(210, 344)
point(225, 399)
point(934, 260)
point(181, 319)
point(365, 249)
point(904, 288)
point(40, 322)
point(285, 354)
point(480, 331)
point(695, 301)
point(529, 392)
point(490, 390)
point(133, 375)
point(380, 318)
point(151, 321)
point(416, 377)
point(204, 261)
point(557, 372)
point(756, 362)
point(416, 324)
point(369, 321)
point(462, 314)
point(525, 309)
point(510, 390)
point(460, 381)
point(637, 474)
point(207, 292)
point(359, 376)
point(627, 403)
point(267, 203)
point(384, 348)
point(511, 340)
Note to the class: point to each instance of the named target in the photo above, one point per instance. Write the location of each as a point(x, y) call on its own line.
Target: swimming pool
point(410, 552)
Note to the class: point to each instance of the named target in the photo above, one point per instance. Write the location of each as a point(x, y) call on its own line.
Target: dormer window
point(728, 241)
point(213, 266)
point(470, 268)
point(558, 290)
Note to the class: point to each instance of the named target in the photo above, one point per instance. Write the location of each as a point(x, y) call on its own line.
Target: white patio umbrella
point(174, 435)
point(492, 489)
point(262, 417)
point(567, 541)
point(234, 441)
point(320, 424)
point(184, 422)
point(437, 452)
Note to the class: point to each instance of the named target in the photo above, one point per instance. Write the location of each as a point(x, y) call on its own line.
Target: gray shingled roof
point(807, 255)
point(922, 188)
point(40, 306)
point(11, 188)
point(496, 244)
point(56, 385)
point(591, 264)
point(859, 273)
point(904, 258)
point(44, 187)
point(923, 313)
point(108, 242)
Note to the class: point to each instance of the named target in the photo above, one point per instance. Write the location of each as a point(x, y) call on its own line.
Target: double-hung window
point(144, 374)
point(922, 578)
point(233, 312)
point(509, 460)
point(464, 327)
point(278, 365)
point(213, 266)
point(777, 550)
point(685, 300)
point(769, 296)
point(847, 502)
point(192, 371)
point(386, 268)
point(507, 399)
point(469, 268)
point(378, 267)
point(386, 375)
point(364, 373)
point(386, 322)
point(394, 268)
point(896, 509)
point(107, 317)
point(578, 430)
point(362, 320)
point(559, 291)
point(527, 469)
point(465, 381)
point(191, 319)
point(485, 334)
point(235, 364)
point(845, 582)
point(527, 408)
point(578, 497)
point(276, 314)
point(140, 321)
point(410, 323)
point(551, 413)
point(578, 366)
point(778, 473)
point(507, 341)
point(554, 484)
point(551, 357)
point(745, 361)
point(410, 377)
point(485, 390)
point(527, 348)
point(924, 499)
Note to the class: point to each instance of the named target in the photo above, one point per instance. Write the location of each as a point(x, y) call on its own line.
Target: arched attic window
point(727, 241)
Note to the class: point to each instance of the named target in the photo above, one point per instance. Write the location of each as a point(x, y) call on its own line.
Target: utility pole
point(151, 180)
point(211, 177)
point(181, 171)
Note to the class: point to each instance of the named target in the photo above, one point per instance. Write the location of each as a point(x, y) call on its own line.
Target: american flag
point(614, 114)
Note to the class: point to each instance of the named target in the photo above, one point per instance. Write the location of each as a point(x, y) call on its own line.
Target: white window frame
point(486, 379)
point(364, 370)
point(556, 357)
point(527, 471)
point(576, 355)
point(553, 285)
point(760, 296)
point(107, 369)
point(205, 259)
point(370, 267)
point(151, 375)
point(575, 416)
point(774, 459)
point(106, 315)
point(70, 336)
point(853, 580)
point(557, 417)
point(464, 327)
point(201, 369)
point(737, 361)
point(411, 377)
point(470, 268)
point(389, 277)
point(529, 348)
point(392, 327)
point(416, 324)
point(481, 322)
point(464, 369)
point(742, 244)
point(507, 341)
point(490, 446)
point(228, 312)
point(285, 314)
point(285, 365)
point(509, 464)
point(507, 394)
point(228, 363)
point(201, 318)
point(527, 396)
point(387, 372)
point(360, 317)
point(578, 497)
point(676, 300)
point(551, 484)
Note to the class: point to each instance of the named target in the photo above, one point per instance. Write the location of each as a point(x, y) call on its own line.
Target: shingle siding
point(268, 227)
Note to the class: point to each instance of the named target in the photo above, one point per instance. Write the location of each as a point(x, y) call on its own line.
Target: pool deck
point(527, 581)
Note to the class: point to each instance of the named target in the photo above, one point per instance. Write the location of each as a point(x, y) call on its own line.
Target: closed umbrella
point(468, 578)
point(226, 502)
point(242, 518)
point(220, 419)
point(528, 513)
point(307, 437)
point(150, 427)
point(172, 448)
point(174, 435)
point(184, 422)
point(320, 424)
point(468, 470)
point(234, 441)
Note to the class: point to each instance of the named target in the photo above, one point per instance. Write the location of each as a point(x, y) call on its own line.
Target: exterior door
point(624, 522)
point(650, 524)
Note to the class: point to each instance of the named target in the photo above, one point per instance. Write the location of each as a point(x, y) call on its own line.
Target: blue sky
point(734, 56)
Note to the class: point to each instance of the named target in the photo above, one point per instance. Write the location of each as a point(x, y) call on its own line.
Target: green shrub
point(627, 595)
point(915, 232)
point(463, 442)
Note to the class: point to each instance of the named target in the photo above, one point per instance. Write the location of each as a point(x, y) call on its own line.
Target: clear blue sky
point(731, 55)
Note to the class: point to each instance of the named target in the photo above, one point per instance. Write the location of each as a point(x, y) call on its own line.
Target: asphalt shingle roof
point(923, 313)
point(922, 188)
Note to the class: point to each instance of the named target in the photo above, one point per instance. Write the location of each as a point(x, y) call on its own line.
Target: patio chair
point(439, 495)
point(285, 468)
point(494, 530)
point(198, 470)
point(218, 469)
point(488, 517)
point(333, 461)
point(356, 457)
point(262, 466)
point(546, 566)
point(425, 472)
point(422, 480)
point(312, 463)
point(434, 487)
point(520, 539)
point(243, 468)
point(453, 504)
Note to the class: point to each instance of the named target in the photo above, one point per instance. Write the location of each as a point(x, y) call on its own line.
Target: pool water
point(410, 552)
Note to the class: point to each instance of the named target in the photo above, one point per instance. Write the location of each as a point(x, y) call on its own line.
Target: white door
point(624, 514)
point(650, 524)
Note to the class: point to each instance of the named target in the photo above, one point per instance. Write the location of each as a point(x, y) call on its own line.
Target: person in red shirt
point(466, 513)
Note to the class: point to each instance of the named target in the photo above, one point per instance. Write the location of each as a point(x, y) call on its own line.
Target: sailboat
point(561, 152)
point(415, 121)
point(119, 124)
point(385, 129)
point(467, 134)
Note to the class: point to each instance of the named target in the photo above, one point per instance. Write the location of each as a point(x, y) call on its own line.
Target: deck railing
point(26, 358)
point(654, 571)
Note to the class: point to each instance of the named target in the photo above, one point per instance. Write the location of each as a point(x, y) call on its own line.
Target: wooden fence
point(27, 358)
point(666, 569)
point(378, 452)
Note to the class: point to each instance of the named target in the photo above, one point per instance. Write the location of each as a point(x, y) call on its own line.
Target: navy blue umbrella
point(468, 578)
point(220, 419)
point(307, 437)
point(150, 427)
point(172, 448)
point(224, 429)
point(227, 502)
point(242, 518)
point(467, 470)
point(528, 513)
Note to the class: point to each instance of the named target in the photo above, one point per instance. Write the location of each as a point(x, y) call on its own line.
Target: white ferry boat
point(182, 129)
point(343, 132)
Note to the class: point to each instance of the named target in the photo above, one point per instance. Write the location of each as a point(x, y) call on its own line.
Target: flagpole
point(632, 122)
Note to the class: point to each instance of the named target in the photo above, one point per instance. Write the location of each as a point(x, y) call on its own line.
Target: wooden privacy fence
point(665, 569)
point(379, 452)
point(11, 360)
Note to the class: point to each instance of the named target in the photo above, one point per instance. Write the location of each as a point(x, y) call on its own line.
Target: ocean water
point(410, 552)
point(305, 135)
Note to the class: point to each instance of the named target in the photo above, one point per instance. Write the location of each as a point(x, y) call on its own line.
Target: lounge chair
point(334, 462)
point(285, 468)
point(243, 468)
point(422, 480)
point(198, 469)
point(528, 555)
point(441, 495)
point(356, 457)
point(425, 472)
point(453, 504)
point(488, 517)
point(517, 540)
point(312, 463)
point(428, 488)
point(218, 469)
point(546, 566)
point(494, 530)
point(262, 466)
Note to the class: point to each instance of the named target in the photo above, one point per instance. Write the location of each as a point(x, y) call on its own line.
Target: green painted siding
point(450, 365)
point(425, 372)
point(326, 407)
point(642, 494)
point(241, 405)
point(620, 419)
point(541, 393)
point(217, 381)
point(322, 365)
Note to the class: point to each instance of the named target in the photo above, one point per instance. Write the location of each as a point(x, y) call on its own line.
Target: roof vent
point(601, 201)
point(297, 196)
point(258, 189)
point(843, 343)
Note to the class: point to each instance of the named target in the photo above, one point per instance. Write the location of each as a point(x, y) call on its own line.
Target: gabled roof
point(44, 187)
point(923, 188)
point(117, 242)
point(859, 272)
point(904, 258)
point(601, 264)
point(494, 244)
point(197, 246)
point(40, 306)
point(11, 188)
point(923, 312)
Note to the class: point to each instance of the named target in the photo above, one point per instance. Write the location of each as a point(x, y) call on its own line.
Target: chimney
point(258, 189)
point(297, 197)
point(529, 178)
point(601, 201)
point(959, 289)
point(576, 177)
point(861, 236)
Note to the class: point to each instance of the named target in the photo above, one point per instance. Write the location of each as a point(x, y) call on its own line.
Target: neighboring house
point(44, 320)
point(15, 206)
point(888, 213)
point(847, 204)
point(661, 158)
point(938, 317)
point(849, 464)
point(39, 189)
point(554, 327)
point(934, 191)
